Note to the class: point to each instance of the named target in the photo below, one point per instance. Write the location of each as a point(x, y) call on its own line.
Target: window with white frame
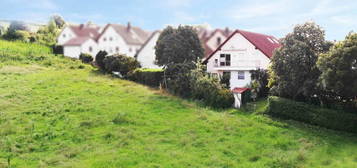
point(225, 60)
point(241, 75)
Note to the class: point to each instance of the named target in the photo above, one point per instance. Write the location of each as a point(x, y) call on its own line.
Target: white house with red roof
point(90, 39)
point(240, 53)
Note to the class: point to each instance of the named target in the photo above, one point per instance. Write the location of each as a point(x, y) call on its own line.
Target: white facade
point(111, 42)
point(66, 35)
point(146, 56)
point(243, 57)
point(88, 47)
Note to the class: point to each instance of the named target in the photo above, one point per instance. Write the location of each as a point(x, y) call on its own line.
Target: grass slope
point(55, 117)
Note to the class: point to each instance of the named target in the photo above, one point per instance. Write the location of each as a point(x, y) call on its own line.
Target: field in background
point(64, 114)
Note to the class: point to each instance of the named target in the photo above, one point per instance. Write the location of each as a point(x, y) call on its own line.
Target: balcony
point(238, 65)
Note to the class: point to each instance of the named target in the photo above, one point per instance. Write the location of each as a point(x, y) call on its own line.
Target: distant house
point(210, 40)
point(113, 38)
point(146, 55)
point(240, 53)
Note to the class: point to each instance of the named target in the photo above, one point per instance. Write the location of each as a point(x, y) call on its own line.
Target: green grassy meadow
point(65, 114)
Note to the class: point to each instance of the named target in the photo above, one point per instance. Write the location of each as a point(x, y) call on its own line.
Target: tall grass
point(15, 53)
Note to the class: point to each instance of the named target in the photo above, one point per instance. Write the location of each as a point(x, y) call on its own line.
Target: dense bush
point(99, 59)
point(85, 58)
point(260, 82)
point(150, 77)
point(208, 89)
point(120, 63)
point(177, 77)
point(20, 35)
point(333, 119)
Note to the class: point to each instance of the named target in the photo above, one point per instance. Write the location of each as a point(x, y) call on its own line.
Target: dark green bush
point(120, 63)
point(150, 77)
point(299, 111)
point(99, 59)
point(85, 58)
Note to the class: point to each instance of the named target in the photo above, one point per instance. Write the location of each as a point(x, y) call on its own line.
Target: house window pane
point(90, 49)
point(241, 75)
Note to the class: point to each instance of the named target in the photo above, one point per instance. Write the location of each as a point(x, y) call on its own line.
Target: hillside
point(57, 112)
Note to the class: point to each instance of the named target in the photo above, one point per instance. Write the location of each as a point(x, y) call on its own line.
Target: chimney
point(227, 31)
point(129, 26)
point(81, 26)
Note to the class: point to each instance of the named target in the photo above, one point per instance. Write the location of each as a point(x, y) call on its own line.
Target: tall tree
point(339, 68)
point(58, 20)
point(293, 72)
point(178, 46)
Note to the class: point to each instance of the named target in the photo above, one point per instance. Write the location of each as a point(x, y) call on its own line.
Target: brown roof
point(131, 34)
point(85, 31)
point(76, 41)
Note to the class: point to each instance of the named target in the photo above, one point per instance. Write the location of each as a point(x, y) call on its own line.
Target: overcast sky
point(274, 17)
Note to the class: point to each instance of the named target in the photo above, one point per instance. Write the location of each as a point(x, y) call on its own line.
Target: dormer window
point(219, 40)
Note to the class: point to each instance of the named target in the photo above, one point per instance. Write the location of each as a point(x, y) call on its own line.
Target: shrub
point(150, 77)
point(260, 82)
point(177, 77)
point(120, 63)
point(333, 119)
point(99, 59)
point(85, 58)
point(208, 89)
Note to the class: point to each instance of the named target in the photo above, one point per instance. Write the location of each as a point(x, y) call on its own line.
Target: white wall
point(65, 36)
point(147, 56)
point(244, 57)
point(85, 47)
point(72, 51)
point(111, 40)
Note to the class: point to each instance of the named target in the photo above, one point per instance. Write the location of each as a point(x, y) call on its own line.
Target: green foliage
point(14, 53)
point(150, 77)
point(47, 35)
point(293, 71)
point(333, 119)
point(260, 82)
point(225, 79)
point(208, 89)
point(176, 79)
point(99, 59)
point(339, 69)
point(120, 63)
point(85, 58)
point(178, 46)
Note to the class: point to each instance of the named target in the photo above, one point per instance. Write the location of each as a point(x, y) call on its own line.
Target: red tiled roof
point(76, 41)
point(265, 43)
point(240, 90)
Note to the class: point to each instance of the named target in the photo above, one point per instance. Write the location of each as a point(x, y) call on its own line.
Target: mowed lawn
point(79, 118)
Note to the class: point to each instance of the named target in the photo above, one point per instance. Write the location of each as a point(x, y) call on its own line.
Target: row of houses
point(235, 53)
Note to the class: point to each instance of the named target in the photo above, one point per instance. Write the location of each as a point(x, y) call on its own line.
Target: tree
point(47, 35)
point(260, 82)
point(120, 63)
point(339, 68)
point(99, 59)
point(17, 31)
point(85, 58)
point(58, 20)
point(293, 72)
point(178, 46)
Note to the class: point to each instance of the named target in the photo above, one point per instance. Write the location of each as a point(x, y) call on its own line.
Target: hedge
point(299, 111)
point(149, 77)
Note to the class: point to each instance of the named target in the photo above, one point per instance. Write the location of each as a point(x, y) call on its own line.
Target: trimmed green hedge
point(149, 77)
point(299, 111)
